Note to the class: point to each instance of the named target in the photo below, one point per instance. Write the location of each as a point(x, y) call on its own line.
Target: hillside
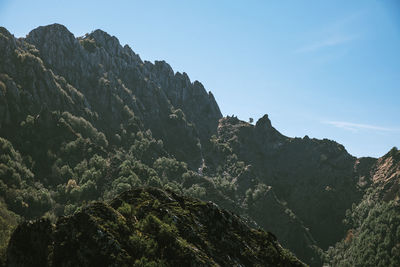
point(146, 227)
point(84, 119)
point(373, 224)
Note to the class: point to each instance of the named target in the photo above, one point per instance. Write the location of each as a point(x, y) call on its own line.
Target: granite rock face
point(385, 176)
point(154, 85)
point(95, 77)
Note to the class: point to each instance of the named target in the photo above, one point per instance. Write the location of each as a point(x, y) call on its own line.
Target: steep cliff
point(105, 83)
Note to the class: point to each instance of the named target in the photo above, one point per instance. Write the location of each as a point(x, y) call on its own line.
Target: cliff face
point(316, 178)
point(146, 226)
point(373, 223)
point(85, 119)
point(385, 175)
point(156, 88)
point(107, 84)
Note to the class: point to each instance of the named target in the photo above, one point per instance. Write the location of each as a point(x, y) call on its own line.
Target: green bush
point(373, 238)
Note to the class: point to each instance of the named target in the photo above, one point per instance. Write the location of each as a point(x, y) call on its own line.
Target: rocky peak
point(394, 153)
point(56, 44)
point(265, 130)
point(160, 66)
point(54, 28)
point(51, 34)
point(7, 44)
point(199, 106)
point(214, 103)
point(113, 82)
point(110, 43)
point(5, 32)
point(387, 167)
point(386, 175)
point(264, 122)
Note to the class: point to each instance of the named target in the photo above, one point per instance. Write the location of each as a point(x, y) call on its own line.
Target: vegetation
point(8, 222)
point(373, 236)
point(150, 227)
point(83, 120)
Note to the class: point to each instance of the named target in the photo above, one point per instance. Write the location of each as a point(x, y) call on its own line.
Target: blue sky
point(326, 69)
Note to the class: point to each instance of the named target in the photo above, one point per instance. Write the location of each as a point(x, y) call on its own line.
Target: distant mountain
point(85, 119)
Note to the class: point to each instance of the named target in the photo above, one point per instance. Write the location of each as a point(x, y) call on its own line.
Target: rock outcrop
point(94, 76)
point(316, 178)
point(385, 175)
point(146, 226)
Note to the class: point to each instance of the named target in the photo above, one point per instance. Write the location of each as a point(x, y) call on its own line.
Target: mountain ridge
point(84, 119)
point(181, 231)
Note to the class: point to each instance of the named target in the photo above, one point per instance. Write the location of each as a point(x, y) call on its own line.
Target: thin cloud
point(329, 42)
point(354, 127)
point(334, 34)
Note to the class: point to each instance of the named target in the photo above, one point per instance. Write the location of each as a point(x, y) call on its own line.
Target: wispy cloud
point(354, 127)
point(332, 41)
point(334, 34)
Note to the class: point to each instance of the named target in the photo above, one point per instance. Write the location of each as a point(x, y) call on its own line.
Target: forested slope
point(83, 119)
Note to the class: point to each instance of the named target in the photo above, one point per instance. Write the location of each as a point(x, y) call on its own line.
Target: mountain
point(373, 224)
point(84, 119)
point(146, 227)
